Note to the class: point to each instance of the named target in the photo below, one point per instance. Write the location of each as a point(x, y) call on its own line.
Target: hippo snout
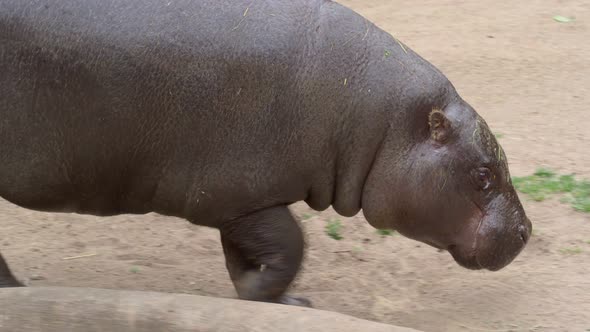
point(500, 240)
point(525, 231)
point(502, 233)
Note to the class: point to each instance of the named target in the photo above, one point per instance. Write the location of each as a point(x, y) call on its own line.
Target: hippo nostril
point(524, 233)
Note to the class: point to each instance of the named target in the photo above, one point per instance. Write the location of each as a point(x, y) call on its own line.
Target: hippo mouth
point(468, 261)
point(489, 244)
point(467, 257)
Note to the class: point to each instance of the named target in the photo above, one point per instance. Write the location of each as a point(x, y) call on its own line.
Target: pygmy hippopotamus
point(225, 112)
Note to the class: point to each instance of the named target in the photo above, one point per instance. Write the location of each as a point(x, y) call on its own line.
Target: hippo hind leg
point(6, 277)
point(263, 252)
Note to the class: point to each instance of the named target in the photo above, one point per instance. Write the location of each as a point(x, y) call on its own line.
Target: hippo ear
point(440, 126)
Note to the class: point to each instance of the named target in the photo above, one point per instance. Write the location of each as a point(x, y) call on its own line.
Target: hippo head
point(449, 187)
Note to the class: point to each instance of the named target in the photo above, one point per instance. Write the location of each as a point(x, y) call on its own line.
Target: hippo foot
point(263, 252)
point(7, 283)
point(10, 282)
point(6, 277)
point(296, 301)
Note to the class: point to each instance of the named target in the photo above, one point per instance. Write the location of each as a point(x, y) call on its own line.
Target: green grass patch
point(306, 216)
point(545, 182)
point(570, 251)
point(333, 229)
point(498, 135)
point(385, 232)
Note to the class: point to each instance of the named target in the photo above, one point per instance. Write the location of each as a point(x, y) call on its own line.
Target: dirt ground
point(525, 73)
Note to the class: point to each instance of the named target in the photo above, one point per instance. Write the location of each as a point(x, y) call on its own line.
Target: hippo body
point(226, 112)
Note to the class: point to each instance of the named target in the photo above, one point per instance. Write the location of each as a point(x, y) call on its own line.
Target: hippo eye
point(483, 177)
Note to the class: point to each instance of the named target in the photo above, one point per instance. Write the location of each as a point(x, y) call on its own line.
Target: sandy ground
point(528, 75)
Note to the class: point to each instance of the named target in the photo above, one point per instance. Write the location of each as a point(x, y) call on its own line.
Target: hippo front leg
point(263, 252)
point(6, 277)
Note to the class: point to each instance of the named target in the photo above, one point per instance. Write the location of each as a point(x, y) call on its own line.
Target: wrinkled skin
point(225, 112)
